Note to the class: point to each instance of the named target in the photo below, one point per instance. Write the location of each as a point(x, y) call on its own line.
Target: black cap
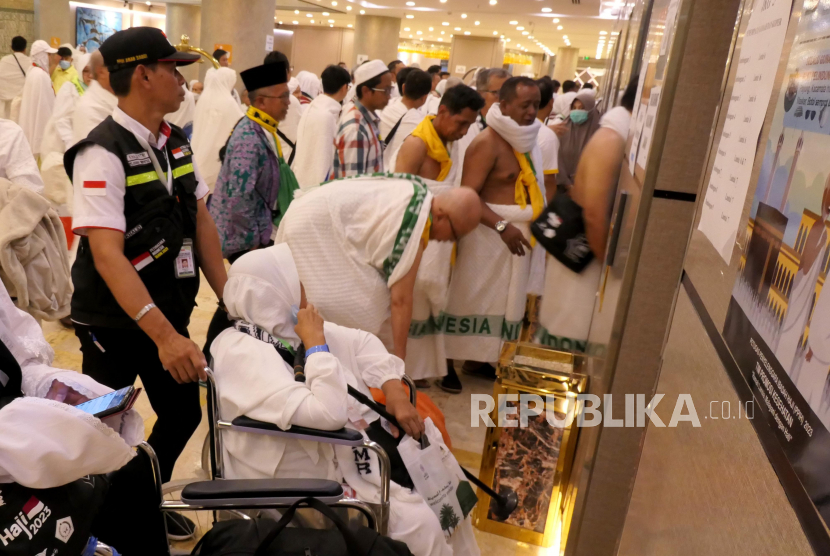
point(141, 45)
point(265, 75)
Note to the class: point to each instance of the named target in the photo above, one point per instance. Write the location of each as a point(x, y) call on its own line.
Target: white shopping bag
point(439, 480)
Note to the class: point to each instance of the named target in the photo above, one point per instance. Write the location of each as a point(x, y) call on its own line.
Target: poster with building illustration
point(778, 323)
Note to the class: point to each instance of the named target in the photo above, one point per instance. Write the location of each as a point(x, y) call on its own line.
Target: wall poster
point(778, 323)
point(93, 27)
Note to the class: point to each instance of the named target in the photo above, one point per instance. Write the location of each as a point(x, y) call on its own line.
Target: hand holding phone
point(112, 403)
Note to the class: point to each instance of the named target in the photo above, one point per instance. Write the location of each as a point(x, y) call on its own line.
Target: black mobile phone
point(112, 403)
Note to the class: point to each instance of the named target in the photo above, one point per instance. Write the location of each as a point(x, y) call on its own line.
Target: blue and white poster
point(93, 27)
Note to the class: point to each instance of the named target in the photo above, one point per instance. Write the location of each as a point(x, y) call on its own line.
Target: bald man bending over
point(358, 242)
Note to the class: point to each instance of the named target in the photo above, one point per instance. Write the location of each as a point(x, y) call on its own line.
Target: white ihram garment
point(13, 69)
point(216, 115)
point(92, 109)
point(315, 141)
point(16, 161)
point(289, 126)
point(44, 443)
point(36, 106)
point(183, 117)
point(253, 380)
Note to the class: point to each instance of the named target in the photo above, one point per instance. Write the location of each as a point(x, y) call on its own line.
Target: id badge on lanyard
point(169, 175)
point(185, 266)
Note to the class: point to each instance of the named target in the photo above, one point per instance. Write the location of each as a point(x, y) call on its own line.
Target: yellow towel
point(435, 147)
point(527, 186)
point(267, 123)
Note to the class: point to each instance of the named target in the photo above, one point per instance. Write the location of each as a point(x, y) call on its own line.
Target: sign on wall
point(93, 27)
point(227, 48)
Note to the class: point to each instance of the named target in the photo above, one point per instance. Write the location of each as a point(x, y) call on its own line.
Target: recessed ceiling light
point(334, 3)
point(603, 32)
point(410, 3)
point(331, 25)
point(326, 14)
point(410, 16)
point(494, 2)
point(431, 28)
point(349, 25)
point(312, 21)
point(410, 36)
point(442, 32)
point(440, 39)
point(457, 29)
point(559, 28)
point(308, 15)
point(419, 32)
point(530, 37)
point(362, 12)
point(406, 29)
point(295, 22)
point(349, 8)
point(495, 32)
point(514, 23)
point(280, 22)
point(466, 32)
point(443, 1)
point(547, 10)
point(506, 40)
point(525, 32)
point(331, 21)
point(478, 23)
point(445, 23)
point(556, 20)
point(296, 12)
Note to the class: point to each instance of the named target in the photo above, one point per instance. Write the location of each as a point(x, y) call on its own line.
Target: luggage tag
point(185, 267)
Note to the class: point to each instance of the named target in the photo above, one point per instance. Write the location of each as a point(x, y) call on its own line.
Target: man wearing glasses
point(358, 148)
point(489, 84)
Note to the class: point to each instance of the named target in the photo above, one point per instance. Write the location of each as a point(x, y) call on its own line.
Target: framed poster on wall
point(93, 27)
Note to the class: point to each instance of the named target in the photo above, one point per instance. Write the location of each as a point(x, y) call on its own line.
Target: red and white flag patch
point(177, 153)
point(32, 507)
point(142, 260)
point(95, 188)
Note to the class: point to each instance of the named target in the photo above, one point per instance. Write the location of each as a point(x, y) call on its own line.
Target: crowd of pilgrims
point(315, 193)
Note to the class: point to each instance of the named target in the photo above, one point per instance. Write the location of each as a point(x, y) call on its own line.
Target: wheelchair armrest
point(253, 493)
point(346, 437)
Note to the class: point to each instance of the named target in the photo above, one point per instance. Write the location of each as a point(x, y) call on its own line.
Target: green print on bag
point(470, 325)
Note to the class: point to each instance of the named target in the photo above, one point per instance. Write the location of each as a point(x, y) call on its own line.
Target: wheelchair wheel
point(203, 520)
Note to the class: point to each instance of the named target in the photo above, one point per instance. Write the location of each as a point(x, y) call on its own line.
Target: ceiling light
point(406, 29)
point(410, 36)
point(312, 21)
point(559, 28)
point(478, 23)
point(440, 39)
point(445, 23)
point(443, 1)
point(525, 32)
point(419, 32)
point(514, 23)
point(442, 32)
point(297, 12)
point(457, 29)
point(349, 8)
point(547, 10)
point(466, 32)
point(463, 16)
point(530, 37)
point(603, 32)
point(410, 16)
point(495, 32)
point(349, 25)
point(331, 21)
point(410, 3)
point(362, 12)
point(331, 25)
point(148, 3)
point(308, 15)
point(494, 2)
point(431, 28)
point(326, 14)
point(565, 37)
point(506, 40)
point(334, 3)
point(556, 20)
point(295, 22)
point(280, 22)
point(520, 28)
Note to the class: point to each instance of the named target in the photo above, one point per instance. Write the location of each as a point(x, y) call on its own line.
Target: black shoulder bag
point(560, 229)
point(393, 131)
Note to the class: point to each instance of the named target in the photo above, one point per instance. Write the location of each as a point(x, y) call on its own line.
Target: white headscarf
point(309, 84)
point(293, 85)
point(217, 112)
point(263, 288)
point(81, 61)
point(562, 105)
point(192, 81)
point(441, 87)
point(40, 54)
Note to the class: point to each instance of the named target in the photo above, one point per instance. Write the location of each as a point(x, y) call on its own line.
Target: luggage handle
point(352, 545)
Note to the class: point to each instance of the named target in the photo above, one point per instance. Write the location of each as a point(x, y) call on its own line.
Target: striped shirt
point(357, 146)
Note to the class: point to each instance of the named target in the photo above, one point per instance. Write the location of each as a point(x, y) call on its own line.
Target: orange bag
point(426, 408)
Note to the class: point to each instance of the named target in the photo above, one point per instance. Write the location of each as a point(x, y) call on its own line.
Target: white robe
point(183, 117)
point(410, 121)
point(290, 125)
point(12, 79)
point(93, 108)
point(44, 443)
point(315, 141)
point(16, 161)
point(58, 135)
point(216, 115)
point(36, 106)
point(390, 115)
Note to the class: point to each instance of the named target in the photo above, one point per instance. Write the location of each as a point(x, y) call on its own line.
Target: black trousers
point(125, 354)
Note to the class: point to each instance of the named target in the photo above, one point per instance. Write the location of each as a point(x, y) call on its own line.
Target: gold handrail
point(185, 46)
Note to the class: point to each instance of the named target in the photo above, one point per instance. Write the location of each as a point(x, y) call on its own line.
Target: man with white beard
point(97, 103)
point(38, 98)
point(13, 70)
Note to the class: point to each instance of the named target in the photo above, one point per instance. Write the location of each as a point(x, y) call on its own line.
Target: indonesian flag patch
point(142, 260)
point(32, 507)
point(184, 150)
point(95, 188)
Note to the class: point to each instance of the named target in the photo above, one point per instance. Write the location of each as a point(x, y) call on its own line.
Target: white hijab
point(263, 288)
point(293, 84)
point(40, 55)
point(521, 137)
point(185, 114)
point(216, 115)
point(81, 61)
point(309, 84)
point(562, 105)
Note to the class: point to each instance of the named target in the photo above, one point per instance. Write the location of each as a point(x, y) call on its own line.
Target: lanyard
point(169, 175)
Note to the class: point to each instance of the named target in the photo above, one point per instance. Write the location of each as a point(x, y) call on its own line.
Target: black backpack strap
point(290, 144)
point(393, 131)
point(18, 64)
point(224, 149)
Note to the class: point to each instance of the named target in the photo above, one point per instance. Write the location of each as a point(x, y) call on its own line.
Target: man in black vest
point(145, 235)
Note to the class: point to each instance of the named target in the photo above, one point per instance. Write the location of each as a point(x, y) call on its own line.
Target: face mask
point(579, 116)
point(294, 310)
point(64, 64)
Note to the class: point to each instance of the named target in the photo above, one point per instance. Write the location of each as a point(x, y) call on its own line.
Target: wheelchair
point(233, 495)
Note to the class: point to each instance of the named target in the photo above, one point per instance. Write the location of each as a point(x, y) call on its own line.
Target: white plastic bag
point(439, 480)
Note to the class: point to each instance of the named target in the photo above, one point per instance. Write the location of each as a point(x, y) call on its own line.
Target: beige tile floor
point(467, 441)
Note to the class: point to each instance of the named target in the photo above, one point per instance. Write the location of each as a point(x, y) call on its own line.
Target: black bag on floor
point(263, 537)
point(561, 231)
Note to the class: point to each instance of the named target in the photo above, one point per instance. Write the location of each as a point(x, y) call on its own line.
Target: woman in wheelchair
point(254, 378)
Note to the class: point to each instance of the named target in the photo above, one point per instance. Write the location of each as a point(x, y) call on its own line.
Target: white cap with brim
point(42, 46)
point(369, 70)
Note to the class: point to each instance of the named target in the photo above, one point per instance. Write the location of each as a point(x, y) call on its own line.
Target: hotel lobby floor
point(467, 441)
